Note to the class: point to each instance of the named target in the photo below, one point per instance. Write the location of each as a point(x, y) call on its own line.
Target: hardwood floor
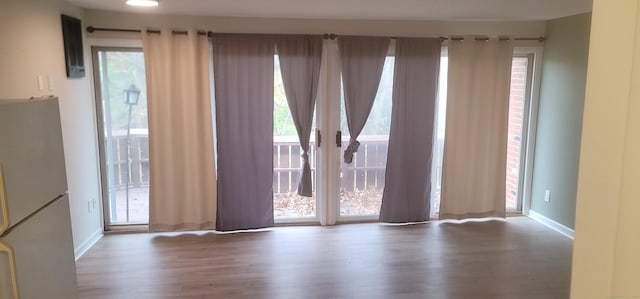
point(517, 258)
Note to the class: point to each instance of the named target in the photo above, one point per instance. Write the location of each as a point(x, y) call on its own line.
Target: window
point(519, 109)
point(123, 134)
point(358, 186)
point(287, 161)
point(362, 181)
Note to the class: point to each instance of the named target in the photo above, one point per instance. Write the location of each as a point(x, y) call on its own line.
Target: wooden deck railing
point(139, 157)
point(367, 171)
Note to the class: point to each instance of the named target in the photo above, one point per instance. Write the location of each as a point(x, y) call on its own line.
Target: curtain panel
point(181, 157)
point(475, 148)
point(243, 73)
point(362, 60)
point(300, 59)
point(407, 190)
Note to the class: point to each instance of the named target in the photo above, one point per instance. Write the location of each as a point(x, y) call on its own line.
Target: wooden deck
point(517, 258)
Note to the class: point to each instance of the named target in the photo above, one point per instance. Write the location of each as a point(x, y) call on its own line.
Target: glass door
point(288, 206)
point(518, 127)
point(362, 181)
point(123, 132)
point(519, 105)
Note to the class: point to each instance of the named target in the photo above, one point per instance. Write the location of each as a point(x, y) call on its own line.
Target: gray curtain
point(300, 59)
point(243, 73)
point(362, 61)
point(407, 189)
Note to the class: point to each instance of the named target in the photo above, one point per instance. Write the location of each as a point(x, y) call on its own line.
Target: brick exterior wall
point(516, 113)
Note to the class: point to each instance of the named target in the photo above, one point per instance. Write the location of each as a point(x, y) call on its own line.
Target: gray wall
point(562, 90)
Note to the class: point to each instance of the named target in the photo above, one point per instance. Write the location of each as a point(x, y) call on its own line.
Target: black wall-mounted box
point(73, 53)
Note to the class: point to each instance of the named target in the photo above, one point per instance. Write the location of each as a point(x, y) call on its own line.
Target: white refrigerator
point(36, 246)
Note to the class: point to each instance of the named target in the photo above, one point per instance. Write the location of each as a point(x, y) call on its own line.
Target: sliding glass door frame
point(327, 185)
point(329, 124)
point(532, 100)
point(330, 150)
point(103, 149)
point(526, 123)
point(329, 153)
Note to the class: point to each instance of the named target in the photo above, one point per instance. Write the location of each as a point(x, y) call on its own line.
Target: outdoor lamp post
point(131, 96)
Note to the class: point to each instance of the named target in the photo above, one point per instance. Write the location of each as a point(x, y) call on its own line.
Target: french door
point(342, 192)
point(362, 181)
point(288, 206)
point(353, 192)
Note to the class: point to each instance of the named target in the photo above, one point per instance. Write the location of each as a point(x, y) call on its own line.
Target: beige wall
point(31, 45)
point(606, 256)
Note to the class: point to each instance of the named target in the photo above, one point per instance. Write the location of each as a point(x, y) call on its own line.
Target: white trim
point(322, 151)
point(115, 42)
point(293, 220)
point(551, 224)
point(87, 244)
point(357, 218)
point(332, 125)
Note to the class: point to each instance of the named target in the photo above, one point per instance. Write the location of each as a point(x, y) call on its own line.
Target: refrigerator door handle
point(4, 224)
point(12, 269)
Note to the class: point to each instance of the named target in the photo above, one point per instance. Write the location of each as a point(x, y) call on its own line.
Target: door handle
point(12, 269)
point(339, 139)
point(4, 225)
point(318, 138)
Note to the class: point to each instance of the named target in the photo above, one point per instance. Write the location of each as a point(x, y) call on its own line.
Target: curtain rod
point(458, 38)
point(92, 29)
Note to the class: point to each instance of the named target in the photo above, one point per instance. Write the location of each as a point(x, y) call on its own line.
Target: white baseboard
point(551, 224)
point(87, 244)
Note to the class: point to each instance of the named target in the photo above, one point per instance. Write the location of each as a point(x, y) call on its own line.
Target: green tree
point(122, 70)
point(282, 120)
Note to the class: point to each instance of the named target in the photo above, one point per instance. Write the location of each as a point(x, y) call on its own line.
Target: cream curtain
point(475, 148)
point(181, 157)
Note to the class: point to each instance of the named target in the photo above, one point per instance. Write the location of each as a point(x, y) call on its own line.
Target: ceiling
point(495, 10)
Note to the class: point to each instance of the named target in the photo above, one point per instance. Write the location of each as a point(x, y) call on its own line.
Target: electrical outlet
point(40, 83)
point(89, 206)
point(94, 202)
point(547, 195)
point(50, 83)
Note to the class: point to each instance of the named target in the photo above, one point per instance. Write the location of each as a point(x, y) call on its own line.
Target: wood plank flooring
point(517, 258)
